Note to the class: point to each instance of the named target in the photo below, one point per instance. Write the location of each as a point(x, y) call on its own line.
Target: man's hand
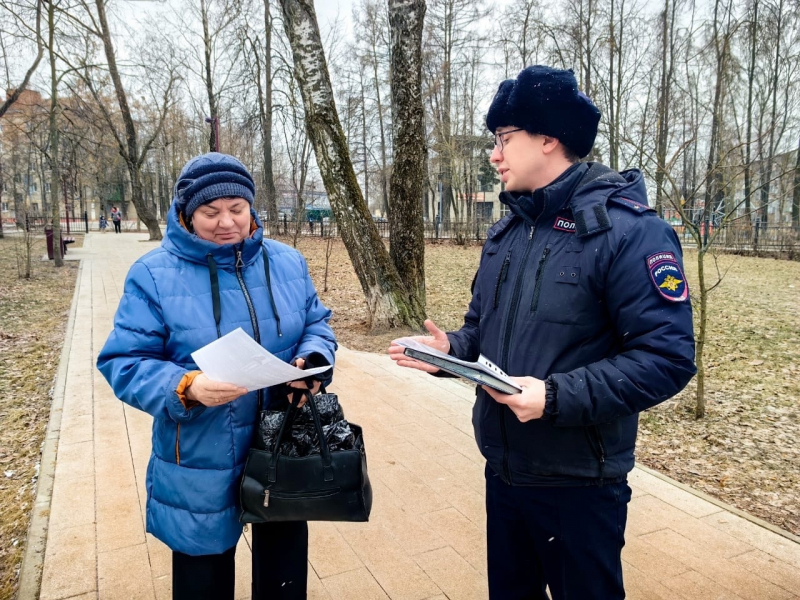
point(213, 393)
point(437, 340)
point(527, 405)
point(300, 363)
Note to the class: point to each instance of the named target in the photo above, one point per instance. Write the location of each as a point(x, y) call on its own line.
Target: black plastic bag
point(303, 439)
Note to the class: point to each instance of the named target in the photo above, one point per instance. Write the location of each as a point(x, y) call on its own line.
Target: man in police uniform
point(581, 295)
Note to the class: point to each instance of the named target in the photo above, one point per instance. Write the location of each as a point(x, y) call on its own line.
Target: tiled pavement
point(425, 539)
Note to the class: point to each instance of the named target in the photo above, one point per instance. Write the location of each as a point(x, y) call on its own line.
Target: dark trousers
point(280, 567)
point(567, 538)
point(117, 226)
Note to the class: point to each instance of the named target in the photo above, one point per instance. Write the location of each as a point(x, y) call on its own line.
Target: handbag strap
point(291, 411)
point(327, 470)
point(288, 419)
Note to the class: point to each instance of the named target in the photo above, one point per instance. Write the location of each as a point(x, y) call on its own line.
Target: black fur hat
point(546, 101)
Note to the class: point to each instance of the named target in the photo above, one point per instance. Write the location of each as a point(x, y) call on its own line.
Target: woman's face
point(223, 221)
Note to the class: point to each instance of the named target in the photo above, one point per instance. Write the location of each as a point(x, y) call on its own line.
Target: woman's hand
point(300, 384)
point(212, 393)
point(437, 340)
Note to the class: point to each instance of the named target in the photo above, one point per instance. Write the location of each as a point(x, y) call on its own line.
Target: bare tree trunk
point(773, 124)
point(213, 141)
point(446, 133)
point(664, 99)
point(389, 304)
point(796, 190)
point(384, 182)
point(130, 149)
point(264, 98)
point(713, 190)
point(702, 329)
point(55, 166)
point(613, 140)
point(712, 167)
point(406, 19)
point(751, 69)
point(364, 139)
point(266, 128)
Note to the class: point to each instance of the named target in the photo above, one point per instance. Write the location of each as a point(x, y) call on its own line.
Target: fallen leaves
point(33, 316)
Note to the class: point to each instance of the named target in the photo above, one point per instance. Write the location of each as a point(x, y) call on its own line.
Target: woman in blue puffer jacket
point(214, 272)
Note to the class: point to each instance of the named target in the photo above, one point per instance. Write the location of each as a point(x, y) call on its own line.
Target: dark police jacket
point(581, 285)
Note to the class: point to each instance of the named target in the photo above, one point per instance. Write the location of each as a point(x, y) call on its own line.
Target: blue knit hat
point(546, 101)
point(210, 176)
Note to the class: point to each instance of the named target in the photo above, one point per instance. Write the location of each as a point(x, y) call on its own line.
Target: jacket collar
point(546, 201)
point(598, 183)
point(179, 241)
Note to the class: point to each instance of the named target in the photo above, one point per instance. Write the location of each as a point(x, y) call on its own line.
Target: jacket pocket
point(501, 278)
point(595, 439)
point(562, 295)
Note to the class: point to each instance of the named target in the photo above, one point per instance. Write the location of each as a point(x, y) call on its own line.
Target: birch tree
point(389, 303)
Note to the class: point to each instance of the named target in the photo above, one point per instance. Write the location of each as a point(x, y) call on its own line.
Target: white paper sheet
point(237, 358)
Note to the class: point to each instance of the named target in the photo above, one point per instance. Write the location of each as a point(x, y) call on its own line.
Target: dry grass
point(744, 452)
point(33, 316)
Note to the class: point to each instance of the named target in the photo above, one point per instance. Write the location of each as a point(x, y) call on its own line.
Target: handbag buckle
point(266, 498)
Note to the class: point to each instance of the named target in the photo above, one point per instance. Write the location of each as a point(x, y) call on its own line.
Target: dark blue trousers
point(567, 538)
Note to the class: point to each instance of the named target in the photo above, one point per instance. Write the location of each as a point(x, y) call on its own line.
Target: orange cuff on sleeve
point(181, 391)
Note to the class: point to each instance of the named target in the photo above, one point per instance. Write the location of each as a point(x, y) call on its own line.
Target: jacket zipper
point(250, 308)
point(178, 444)
point(507, 344)
point(501, 278)
point(239, 268)
point(538, 282)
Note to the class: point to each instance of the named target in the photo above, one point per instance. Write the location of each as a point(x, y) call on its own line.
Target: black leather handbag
point(329, 486)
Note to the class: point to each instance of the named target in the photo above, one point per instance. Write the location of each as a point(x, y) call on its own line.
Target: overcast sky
point(327, 10)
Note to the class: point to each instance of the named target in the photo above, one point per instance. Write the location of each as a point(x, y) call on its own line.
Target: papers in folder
point(237, 358)
point(482, 372)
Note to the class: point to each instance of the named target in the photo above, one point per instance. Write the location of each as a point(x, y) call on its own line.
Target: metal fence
point(458, 231)
point(747, 238)
point(38, 222)
point(734, 236)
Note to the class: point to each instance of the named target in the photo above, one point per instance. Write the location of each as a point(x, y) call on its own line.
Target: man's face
point(518, 158)
point(223, 221)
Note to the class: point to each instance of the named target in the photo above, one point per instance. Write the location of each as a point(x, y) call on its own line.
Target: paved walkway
point(426, 537)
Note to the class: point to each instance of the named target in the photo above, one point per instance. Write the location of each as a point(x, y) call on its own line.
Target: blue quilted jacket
point(167, 311)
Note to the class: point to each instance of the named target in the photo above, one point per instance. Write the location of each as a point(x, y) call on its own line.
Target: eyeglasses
point(499, 142)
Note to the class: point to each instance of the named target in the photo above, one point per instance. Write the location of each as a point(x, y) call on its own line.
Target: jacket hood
point(181, 242)
point(581, 185)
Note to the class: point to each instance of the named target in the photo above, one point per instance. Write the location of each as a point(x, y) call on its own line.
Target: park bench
point(65, 240)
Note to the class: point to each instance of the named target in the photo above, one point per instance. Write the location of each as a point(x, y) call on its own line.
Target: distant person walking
point(116, 218)
point(103, 223)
